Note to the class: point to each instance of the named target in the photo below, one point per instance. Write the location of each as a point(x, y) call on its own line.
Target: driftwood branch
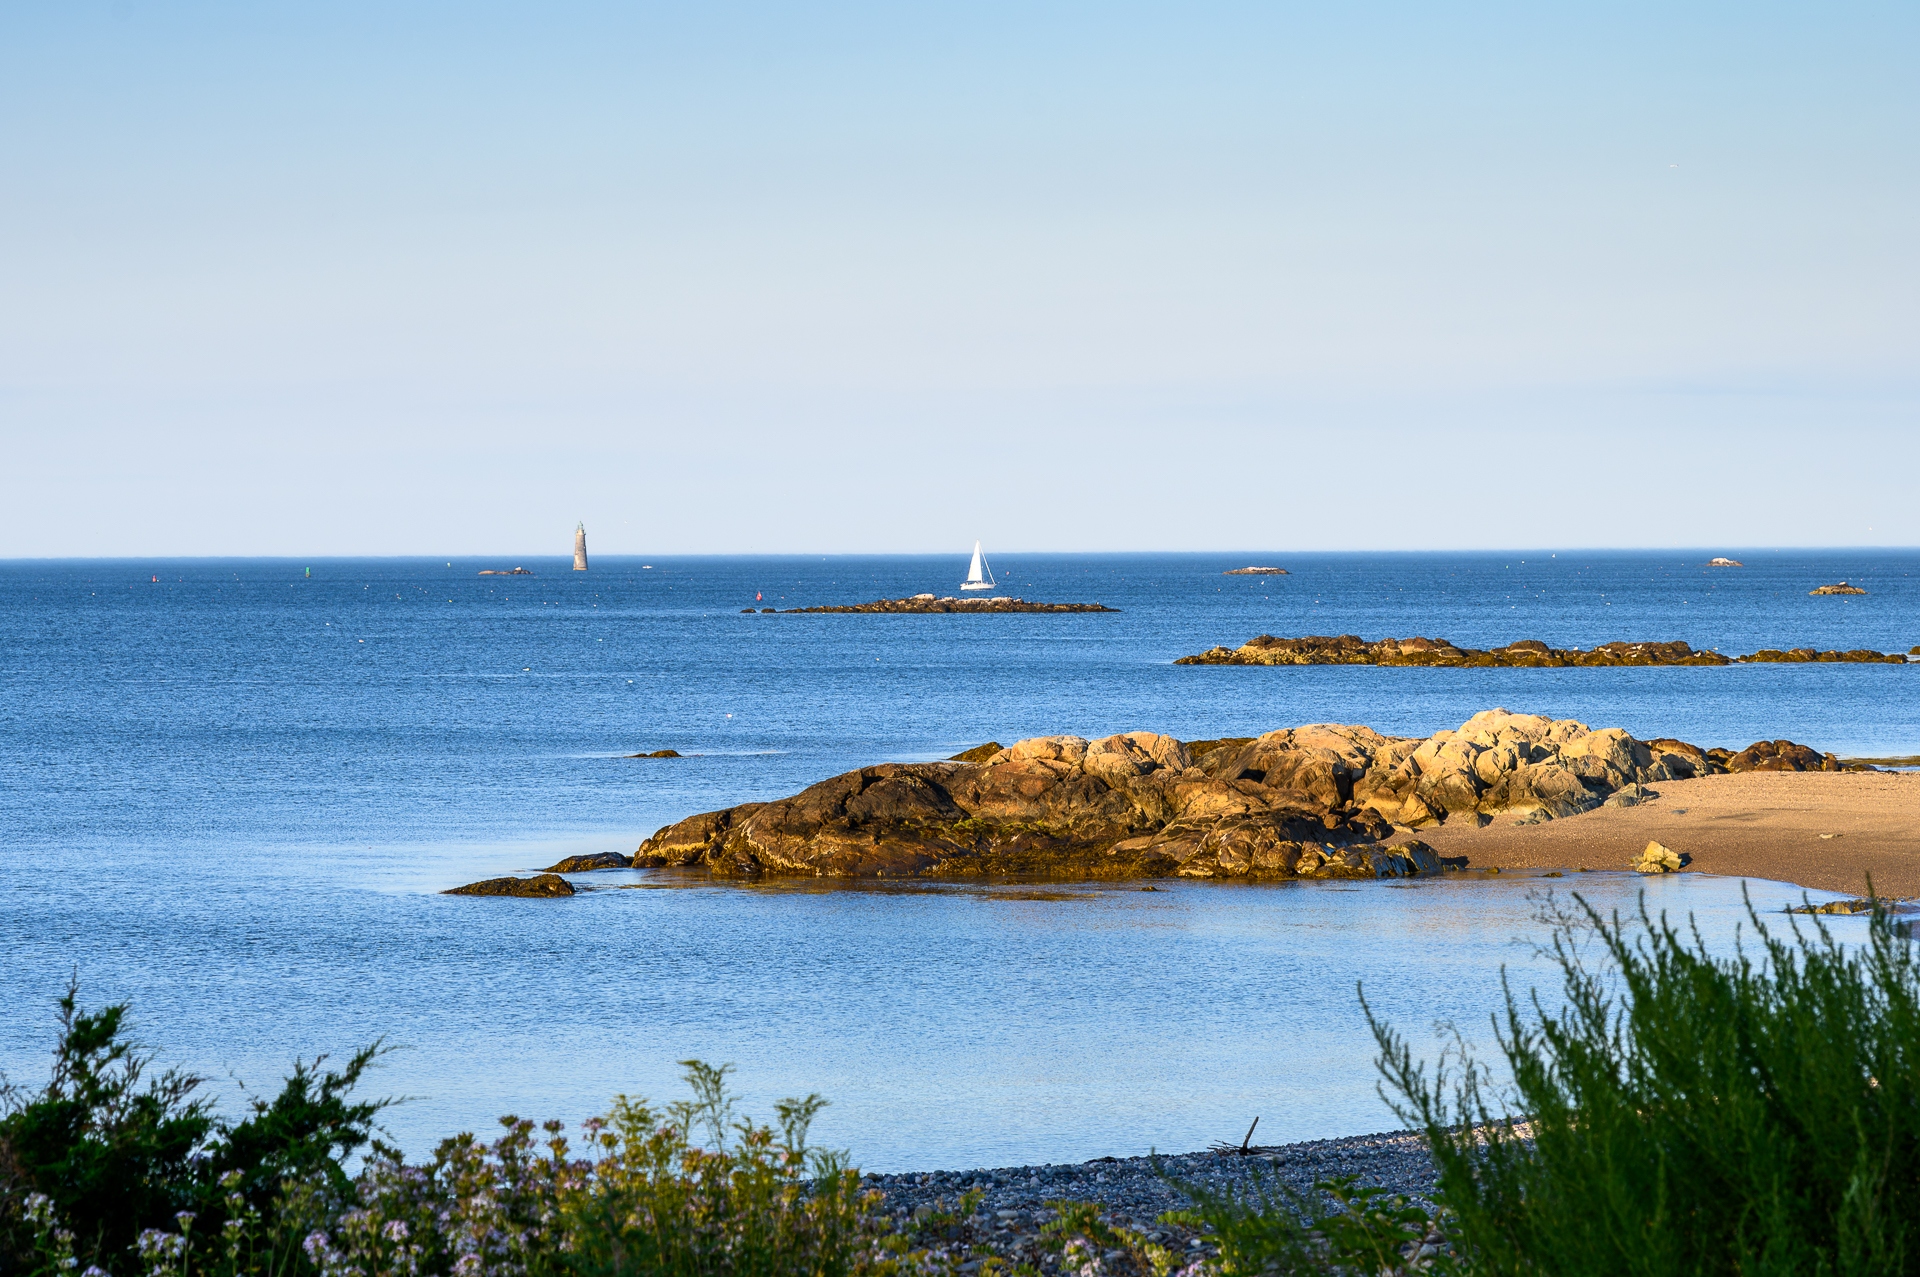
point(1242, 1149)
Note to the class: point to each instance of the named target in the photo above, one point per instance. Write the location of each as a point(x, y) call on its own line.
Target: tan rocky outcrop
point(1327, 798)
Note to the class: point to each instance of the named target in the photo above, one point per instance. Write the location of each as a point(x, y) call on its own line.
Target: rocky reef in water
point(933, 603)
point(1840, 588)
point(1327, 800)
point(1351, 649)
point(540, 885)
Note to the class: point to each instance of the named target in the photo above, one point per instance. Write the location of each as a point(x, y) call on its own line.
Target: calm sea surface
point(231, 795)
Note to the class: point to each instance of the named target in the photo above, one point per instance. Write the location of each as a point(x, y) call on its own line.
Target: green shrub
point(1689, 1114)
point(111, 1153)
point(647, 1200)
point(128, 1177)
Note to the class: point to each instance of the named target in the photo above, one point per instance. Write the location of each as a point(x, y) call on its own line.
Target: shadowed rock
point(586, 864)
point(1781, 756)
point(544, 885)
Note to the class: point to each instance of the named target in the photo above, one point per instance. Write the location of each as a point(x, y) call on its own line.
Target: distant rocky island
point(505, 572)
point(1840, 588)
point(1256, 572)
point(1351, 649)
point(934, 603)
point(1725, 563)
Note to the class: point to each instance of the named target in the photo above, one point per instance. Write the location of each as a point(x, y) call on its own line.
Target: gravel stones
point(1133, 1192)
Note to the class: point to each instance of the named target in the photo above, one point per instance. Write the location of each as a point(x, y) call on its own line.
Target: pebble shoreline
point(1132, 1193)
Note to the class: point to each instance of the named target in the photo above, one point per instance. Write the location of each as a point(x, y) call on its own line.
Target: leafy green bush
point(647, 1201)
point(125, 1178)
point(1686, 1114)
point(112, 1153)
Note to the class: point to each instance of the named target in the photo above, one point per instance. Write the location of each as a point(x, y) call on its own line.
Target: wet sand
point(1825, 830)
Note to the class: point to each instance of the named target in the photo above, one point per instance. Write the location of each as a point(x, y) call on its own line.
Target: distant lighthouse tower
point(580, 548)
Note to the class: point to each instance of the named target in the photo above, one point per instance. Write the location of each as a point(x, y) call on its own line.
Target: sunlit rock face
point(1324, 800)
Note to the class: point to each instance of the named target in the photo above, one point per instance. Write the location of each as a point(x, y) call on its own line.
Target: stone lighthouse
point(580, 548)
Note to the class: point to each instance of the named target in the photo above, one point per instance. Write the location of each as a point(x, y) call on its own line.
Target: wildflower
point(396, 1230)
point(158, 1247)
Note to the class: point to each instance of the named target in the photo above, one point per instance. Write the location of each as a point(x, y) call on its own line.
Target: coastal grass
point(1757, 1113)
point(1681, 1113)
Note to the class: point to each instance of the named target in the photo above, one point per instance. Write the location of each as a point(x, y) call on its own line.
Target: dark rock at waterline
point(978, 754)
point(658, 753)
point(1805, 655)
point(1351, 649)
point(587, 864)
point(1781, 756)
point(542, 885)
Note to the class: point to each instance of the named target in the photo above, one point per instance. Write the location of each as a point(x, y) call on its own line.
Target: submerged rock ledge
point(1351, 649)
point(932, 603)
point(1324, 801)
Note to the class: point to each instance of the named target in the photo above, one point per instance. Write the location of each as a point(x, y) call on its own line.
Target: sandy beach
point(1826, 830)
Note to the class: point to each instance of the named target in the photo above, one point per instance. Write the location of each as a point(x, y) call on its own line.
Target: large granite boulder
point(1291, 802)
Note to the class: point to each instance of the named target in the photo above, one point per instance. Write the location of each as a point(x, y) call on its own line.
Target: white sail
point(979, 575)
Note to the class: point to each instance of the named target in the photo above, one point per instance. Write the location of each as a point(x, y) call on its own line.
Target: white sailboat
point(979, 576)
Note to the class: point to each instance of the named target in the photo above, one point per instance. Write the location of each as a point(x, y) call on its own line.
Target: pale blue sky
point(443, 278)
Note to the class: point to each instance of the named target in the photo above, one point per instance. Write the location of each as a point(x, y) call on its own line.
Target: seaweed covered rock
point(1781, 756)
point(1805, 655)
point(540, 885)
point(586, 864)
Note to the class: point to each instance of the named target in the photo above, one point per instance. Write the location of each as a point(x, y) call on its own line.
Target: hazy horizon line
point(566, 556)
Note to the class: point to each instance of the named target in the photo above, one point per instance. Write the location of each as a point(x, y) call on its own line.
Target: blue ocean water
point(232, 790)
